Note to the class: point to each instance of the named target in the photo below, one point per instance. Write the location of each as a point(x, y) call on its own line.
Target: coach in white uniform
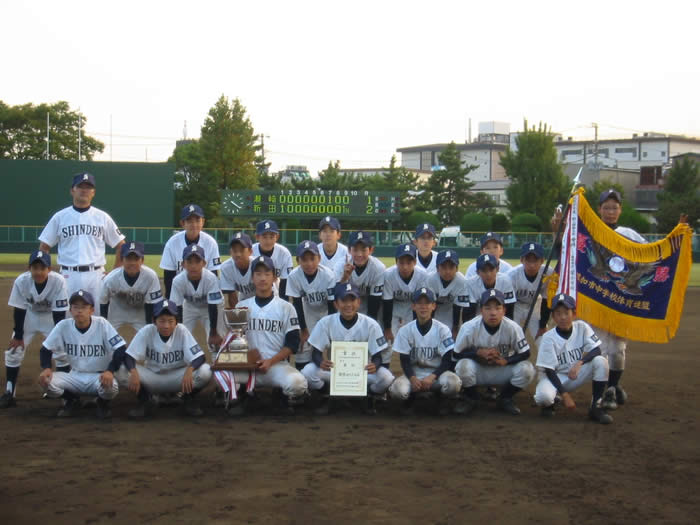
point(81, 232)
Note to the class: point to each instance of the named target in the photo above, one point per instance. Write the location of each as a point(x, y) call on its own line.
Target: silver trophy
point(235, 353)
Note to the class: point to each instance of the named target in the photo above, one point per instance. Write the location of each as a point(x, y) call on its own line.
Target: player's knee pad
point(466, 371)
point(202, 376)
point(400, 388)
point(108, 393)
point(296, 385)
point(545, 393)
point(523, 374)
point(450, 384)
point(600, 368)
point(14, 356)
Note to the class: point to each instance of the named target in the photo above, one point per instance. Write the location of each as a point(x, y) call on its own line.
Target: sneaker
point(235, 408)
point(609, 401)
point(7, 400)
point(69, 407)
point(620, 395)
point(465, 406)
point(192, 407)
point(103, 409)
point(600, 415)
point(547, 411)
point(506, 404)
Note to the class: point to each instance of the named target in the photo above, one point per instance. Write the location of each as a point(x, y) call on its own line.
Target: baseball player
point(236, 273)
point(267, 234)
point(425, 348)
point(94, 351)
point(570, 356)
point(366, 272)
point(491, 244)
point(425, 240)
point(334, 254)
point(524, 279)
point(81, 231)
point(488, 278)
point(400, 281)
point(273, 329)
point(347, 325)
point(128, 293)
point(492, 350)
point(197, 294)
point(172, 362)
point(311, 287)
point(448, 286)
point(40, 301)
point(192, 221)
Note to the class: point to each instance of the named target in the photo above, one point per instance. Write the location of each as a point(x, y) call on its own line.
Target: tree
point(193, 181)
point(23, 132)
point(680, 195)
point(475, 222)
point(635, 220)
point(229, 147)
point(447, 189)
point(500, 223)
point(261, 163)
point(332, 179)
point(526, 222)
point(537, 181)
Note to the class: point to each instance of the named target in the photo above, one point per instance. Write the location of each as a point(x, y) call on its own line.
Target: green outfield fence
point(23, 239)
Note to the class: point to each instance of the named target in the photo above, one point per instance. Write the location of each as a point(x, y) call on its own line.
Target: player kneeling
point(570, 356)
point(172, 362)
point(425, 346)
point(94, 350)
point(347, 325)
point(492, 350)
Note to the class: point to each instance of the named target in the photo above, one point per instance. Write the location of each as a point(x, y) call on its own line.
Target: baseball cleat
point(7, 400)
point(371, 408)
point(407, 407)
point(235, 408)
point(103, 409)
point(599, 415)
point(507, 405)
point(620, 395)
point(192, 407)
point(464, 407)
point(324, 406)
point(547, 411)
point(490, 394)
point(609, 401)
point(68, 409)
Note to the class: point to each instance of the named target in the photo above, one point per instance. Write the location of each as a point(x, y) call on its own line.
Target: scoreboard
point(271, 204)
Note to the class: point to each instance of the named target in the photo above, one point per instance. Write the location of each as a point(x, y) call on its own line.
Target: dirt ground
point(352, 468)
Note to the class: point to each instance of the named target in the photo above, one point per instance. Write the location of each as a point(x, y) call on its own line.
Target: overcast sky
point(353, 81)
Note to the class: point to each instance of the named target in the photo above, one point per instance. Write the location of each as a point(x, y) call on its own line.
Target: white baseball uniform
point(172, 253)
point(315, 296)
point(88, 354)
point(81, 237)
point(281, 258)
point(401, 293)
point(508, 339)
point(126, 302)
point(475, 288)
point(195, 302)
point(432, 265)
point(365, 329)
point(559, 354)
point(525, 295)
point(165, 362)
point(337, 262)
point(426, 352)
point(503, 267)
point(232, 280)
point(446, 296)
point(267, 327)
point(39, 307)
point(370, 281)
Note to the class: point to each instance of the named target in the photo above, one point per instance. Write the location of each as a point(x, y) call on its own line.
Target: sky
point(354, 81)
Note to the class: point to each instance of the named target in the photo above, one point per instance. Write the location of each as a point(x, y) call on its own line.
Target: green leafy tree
point(537, 181)
point(475, 222)
point(526, 222)
point(447, 189)
point(415, 218)
point(23, 132)
point(680, 195)
point(635, 220)
point(229, 145)
point(193, 180)
point(261, 163)
point(332, 179)
point(500, 223)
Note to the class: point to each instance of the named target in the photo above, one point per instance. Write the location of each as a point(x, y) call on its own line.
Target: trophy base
point(240, 360)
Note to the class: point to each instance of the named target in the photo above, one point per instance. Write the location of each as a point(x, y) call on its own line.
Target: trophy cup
point(234, 353)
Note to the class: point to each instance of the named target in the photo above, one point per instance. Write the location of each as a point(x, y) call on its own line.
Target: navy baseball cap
point(329, 221)
point(132, 247)
point(193, 249)
point(610, 194)
point(423, 292)
point(423, 228)
point(266, 226)
point(360, 237)
point(342, 290)
point(564, 300)
point(532, 248)
point(87, 178)
point(307, 246)
point(40, 256)
point(265, 261)
point(491, 236)
point(191, 209)
point(405, 249)
point(84, 295)
point(447, 255)
point(164, 307)
point(241, 238)
point(492, 295)
point(486, 260)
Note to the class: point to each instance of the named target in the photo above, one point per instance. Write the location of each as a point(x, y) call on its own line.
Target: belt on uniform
point(87, 268)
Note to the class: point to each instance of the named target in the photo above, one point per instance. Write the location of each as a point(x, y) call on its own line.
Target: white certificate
point(348, 375)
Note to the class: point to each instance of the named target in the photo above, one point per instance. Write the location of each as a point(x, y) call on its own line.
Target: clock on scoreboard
point(271, 204)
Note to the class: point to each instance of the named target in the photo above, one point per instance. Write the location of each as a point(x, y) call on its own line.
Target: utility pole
point(262, 150)
point(47, 135)
point(595, 146)
point(80, 126)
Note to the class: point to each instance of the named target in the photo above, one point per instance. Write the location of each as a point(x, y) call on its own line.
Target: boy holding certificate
point(347, 325)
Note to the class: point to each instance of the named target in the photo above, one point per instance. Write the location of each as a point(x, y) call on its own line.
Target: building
point(423, 175)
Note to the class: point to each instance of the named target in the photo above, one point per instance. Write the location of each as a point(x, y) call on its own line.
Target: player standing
point(40, 301)
point(236, 273)
point(488, 278)
point(267, 234)
point(81, 231)
point(334, 254)
point(366, 272)
point(448, 286)
point(425, 241)
point(491, 244)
